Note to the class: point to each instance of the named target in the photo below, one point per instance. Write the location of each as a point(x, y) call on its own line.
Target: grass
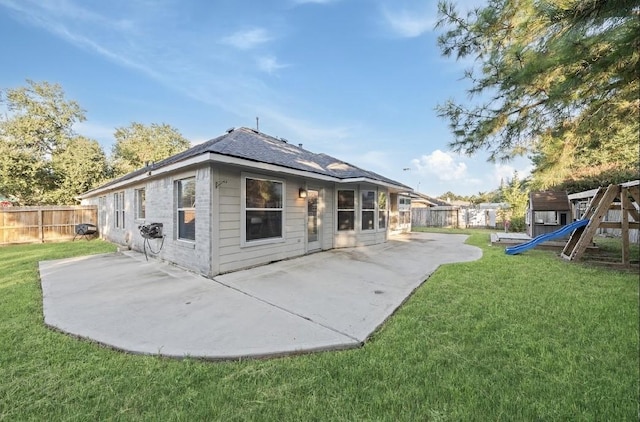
point(526, 337)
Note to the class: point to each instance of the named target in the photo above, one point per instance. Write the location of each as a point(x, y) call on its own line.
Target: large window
point(346, 210)
point(140, 204)
point(186, 208)
point(382, 210)
point(368, 209)
point(118, 210)
point(264, 202)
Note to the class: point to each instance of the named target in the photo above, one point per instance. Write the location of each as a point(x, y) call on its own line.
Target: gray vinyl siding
point(232, 254)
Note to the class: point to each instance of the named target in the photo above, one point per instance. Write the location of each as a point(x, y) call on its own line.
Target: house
point(547, 211)
point(245, 199)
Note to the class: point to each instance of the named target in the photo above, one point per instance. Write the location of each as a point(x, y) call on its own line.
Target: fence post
point(41, 225)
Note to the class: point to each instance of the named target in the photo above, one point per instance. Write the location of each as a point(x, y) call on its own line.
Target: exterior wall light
point(302, 193)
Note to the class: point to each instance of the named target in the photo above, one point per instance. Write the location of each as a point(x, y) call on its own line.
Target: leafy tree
point(137, 144)
point(450, 196)
point(516, 194)
point(556, 78)
point(35, 135)
point(480, 197)
point(78, 167)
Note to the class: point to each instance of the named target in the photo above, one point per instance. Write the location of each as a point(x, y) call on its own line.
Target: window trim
point(178, 209)
point(118, 210)
point(243, 213)
point(373, 210)
point(353, 210)
point(384, 210)
point(140, 212)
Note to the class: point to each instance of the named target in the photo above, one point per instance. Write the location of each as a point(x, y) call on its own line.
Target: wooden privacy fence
point(43, 224)
point(428, 217)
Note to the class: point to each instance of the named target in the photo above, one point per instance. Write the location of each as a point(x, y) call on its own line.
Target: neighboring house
point(420, 200)
point(245, 199)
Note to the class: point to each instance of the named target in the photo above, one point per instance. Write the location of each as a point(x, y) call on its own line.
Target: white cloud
point(270, 64)
point(442, 165)
point(409, 23)
point(248, 39)
point(505, 172)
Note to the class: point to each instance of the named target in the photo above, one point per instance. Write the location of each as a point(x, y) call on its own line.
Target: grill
point(85, 230)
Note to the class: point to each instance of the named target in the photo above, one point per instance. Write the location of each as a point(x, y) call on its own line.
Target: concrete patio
point(324, 301)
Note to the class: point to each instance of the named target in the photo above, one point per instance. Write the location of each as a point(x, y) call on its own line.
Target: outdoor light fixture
point(302, 193)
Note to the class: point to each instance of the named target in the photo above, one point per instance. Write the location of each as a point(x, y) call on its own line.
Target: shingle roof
point(259, 147)
point(549, 201)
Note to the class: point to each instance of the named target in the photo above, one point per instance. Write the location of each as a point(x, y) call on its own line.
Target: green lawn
point(526, 337)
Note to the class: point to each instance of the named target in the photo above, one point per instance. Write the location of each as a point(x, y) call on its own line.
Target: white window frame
point(140, 206)
point(179, 209)
point(118, 210)
point(243, 222)
point(368, 210)
point(384, 210)
point(352, 210)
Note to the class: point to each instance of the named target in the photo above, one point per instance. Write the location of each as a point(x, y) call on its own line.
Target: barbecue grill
point(85, 230)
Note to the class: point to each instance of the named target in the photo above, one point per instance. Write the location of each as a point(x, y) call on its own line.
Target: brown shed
point(548, 211)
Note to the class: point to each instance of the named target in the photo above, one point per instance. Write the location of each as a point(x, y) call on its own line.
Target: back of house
point(245, 199)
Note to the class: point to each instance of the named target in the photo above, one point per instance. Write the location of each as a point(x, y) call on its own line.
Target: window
point(186, 208)
point(263, 209)
point(368, 209)
point(346, 210)
point(140, 203)
point(102, 211)
point(118, 210)
point(382, 210)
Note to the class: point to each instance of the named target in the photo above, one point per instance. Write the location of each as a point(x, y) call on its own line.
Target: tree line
point(44, 161)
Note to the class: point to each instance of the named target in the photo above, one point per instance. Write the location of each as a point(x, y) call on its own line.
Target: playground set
point(624, 198)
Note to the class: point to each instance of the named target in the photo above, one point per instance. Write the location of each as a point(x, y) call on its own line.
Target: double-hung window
point(346, 210)
point(263, 209)
point(186, 208)
point(140, 204)
point(118, 210)
point(368, 206)
point(382, 210)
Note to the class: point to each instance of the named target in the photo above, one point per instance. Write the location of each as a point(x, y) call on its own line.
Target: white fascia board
point(376, 182)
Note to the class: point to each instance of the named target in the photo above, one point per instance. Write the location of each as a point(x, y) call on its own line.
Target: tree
point(78, 167)
point(138, 144)
point(516, 194)
point(37, 128)
point(558, 79)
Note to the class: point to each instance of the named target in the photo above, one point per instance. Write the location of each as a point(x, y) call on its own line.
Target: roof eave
point(227, 159)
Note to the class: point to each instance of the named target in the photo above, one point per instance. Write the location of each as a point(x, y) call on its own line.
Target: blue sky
point(356, 79)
